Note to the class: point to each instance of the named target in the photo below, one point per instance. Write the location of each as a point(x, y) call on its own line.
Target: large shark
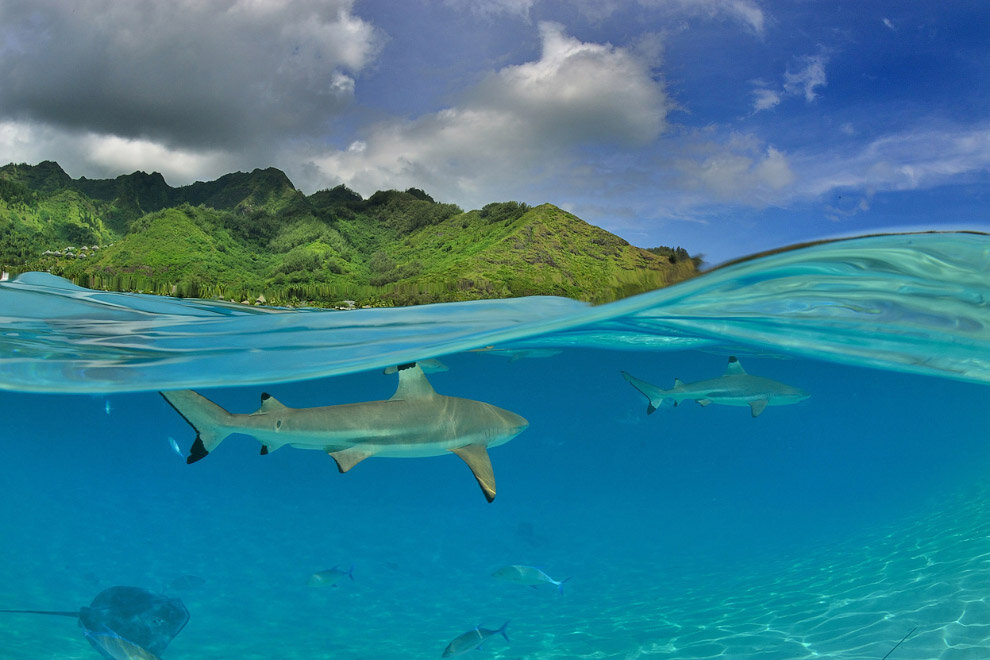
point(734, 388)
point(415, 422)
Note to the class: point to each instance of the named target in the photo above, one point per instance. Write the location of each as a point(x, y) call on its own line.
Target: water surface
point(829, 528)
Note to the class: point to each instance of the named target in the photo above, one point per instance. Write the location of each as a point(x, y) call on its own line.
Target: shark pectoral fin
point(758, 406)
point(476, 456)
point(348, 458)
point(704, 402)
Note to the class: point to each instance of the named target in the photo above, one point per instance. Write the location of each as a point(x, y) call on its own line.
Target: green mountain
point(251, 235)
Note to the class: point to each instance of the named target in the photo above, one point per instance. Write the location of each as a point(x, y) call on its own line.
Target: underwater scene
point(783, 458)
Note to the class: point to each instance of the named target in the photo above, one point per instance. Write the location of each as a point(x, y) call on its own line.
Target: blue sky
point(723, 126)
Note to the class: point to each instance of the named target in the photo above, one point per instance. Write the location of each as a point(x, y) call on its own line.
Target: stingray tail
point(651, 392)
point(210, 421)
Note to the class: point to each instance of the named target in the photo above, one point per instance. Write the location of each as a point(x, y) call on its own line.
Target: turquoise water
point(830, 528)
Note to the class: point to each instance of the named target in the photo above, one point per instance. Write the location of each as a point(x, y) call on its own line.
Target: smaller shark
point(415, 422)
point(733, 388)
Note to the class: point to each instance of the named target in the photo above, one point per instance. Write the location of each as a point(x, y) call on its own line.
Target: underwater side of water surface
point(831, 528)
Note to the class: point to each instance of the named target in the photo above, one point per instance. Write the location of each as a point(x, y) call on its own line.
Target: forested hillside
point(251, 236)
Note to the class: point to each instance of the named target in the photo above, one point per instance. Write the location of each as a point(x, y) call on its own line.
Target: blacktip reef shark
point(733, 388)
point(415, 422)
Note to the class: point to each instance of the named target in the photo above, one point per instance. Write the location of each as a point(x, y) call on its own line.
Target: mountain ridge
point(251, 234)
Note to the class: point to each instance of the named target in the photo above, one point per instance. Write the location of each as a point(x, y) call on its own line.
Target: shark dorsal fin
point(734, 368)
point(678, 385)
point(412, 384)
point(270, 403)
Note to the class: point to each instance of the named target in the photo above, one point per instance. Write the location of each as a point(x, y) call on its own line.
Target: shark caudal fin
point(651, 392)
point(207, 418)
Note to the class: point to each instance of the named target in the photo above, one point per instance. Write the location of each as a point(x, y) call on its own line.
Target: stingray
point(145, 619)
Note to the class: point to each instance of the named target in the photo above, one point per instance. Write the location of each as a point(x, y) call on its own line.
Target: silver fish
point(528, 575)
point(330, 577)
point(472, 639)
point(112, 645)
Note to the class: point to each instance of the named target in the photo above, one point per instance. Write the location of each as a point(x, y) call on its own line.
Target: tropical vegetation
point(254, 236)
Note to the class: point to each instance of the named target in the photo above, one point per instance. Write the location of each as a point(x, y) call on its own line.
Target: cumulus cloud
point(740, 169)
point(188, 73)
point(106, 156)
point(516, 122)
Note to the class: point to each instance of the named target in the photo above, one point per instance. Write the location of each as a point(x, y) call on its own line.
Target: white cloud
point(922, 158)
point(519, 123)
point(95, 155)
point(739, 170)
point(745, 12)
point(765, 99)
point(494, 7)
point(806, 79)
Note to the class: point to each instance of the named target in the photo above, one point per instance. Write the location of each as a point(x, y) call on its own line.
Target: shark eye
point(278, 423)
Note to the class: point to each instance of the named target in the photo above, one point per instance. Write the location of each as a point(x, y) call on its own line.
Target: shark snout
point(515, 422)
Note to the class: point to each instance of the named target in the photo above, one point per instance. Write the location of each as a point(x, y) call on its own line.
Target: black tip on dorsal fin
point(265, 396)
point(407, 365)
point(196, 452)
point(733, 358)
point(264, 450)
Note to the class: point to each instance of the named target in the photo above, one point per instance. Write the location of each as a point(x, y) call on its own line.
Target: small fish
point(175, 447)
point(529, 576)
point(112, 645)
point(472, 639)
point(330, 577)
point(107, 407)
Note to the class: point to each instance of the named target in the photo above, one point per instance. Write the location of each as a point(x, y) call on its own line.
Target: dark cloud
point(195, 74)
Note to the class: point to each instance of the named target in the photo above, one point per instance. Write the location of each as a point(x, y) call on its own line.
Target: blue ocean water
point(830, 528)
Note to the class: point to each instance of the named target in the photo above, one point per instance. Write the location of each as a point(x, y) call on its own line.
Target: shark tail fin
point(502, 630)
point(560, 586)
point(651, 392)
point(209, 420)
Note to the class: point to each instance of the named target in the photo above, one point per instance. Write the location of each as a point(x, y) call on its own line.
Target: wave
point(917, 303)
